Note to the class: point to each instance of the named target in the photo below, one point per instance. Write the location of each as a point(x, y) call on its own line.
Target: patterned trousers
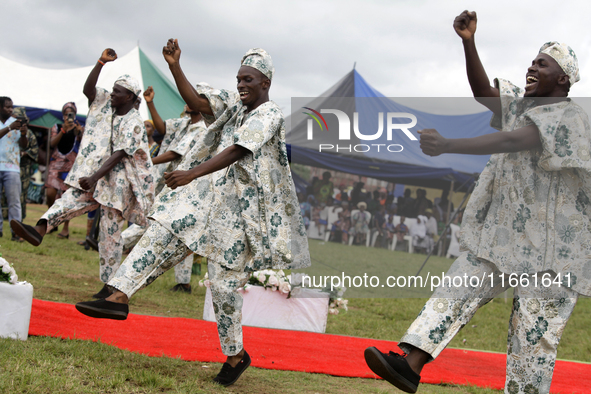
point(159, 250)
point(75, 202)
point(182, 271)
point(537, 321)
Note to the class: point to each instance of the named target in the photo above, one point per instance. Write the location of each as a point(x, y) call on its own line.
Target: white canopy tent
point(50, 89)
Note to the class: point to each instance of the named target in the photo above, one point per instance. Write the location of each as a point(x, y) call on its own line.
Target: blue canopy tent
point(353, 96)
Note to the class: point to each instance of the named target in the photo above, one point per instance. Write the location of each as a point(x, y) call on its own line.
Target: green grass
point(62, 271)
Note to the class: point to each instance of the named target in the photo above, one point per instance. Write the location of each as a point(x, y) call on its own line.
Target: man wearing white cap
point(180, 135)
point(113, 170)
point(526, 226)
point(239, 208)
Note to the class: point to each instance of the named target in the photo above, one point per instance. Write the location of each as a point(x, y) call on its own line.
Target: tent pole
point(449, 197)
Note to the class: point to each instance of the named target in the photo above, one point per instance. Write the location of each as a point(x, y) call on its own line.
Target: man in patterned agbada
point(112, 170)
point(180, 135)
point(526, 226)
point(238, 208)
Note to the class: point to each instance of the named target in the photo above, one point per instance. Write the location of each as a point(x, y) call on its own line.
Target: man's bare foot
point(63, 236)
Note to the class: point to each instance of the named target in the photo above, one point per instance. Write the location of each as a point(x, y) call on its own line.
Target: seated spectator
point(316, 218)
point(431, 224)
point(305, 208)
point(332, 211)
point(389, 227)
point(360, 223)
point(401, 229)
point(373, 206)
point(378, 222)
point(420, 238)
point(344, 222)
point(324, 188)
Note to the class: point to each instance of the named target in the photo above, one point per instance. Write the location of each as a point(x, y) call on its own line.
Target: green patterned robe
point(244, 217)
point(530, 210)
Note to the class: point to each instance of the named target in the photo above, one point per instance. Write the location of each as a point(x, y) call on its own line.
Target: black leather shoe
point(26, 232)
point(103, 309)
point(394, 368)
point(229, 375)
point(92, 243)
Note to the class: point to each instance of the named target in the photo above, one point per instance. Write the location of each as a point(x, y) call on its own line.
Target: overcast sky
point(402, 48)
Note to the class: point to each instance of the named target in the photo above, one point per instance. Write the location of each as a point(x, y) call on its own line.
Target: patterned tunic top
point(244, 217)
point(129, 186)
point(530, 210)
point(179, 138)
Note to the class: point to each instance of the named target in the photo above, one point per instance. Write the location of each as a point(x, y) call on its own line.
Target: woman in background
point(65, 141)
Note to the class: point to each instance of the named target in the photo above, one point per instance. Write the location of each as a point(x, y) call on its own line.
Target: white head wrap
point(129, 83)
point(565, 57)
point(259, 59)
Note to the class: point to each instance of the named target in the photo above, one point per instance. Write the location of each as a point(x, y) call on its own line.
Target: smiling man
point(243, 218)
point(112, 170)
point(526, 226)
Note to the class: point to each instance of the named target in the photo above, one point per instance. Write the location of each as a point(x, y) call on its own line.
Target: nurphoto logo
point(393, 124)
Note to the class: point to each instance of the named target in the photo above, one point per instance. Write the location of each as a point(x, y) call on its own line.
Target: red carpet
point(197, 340)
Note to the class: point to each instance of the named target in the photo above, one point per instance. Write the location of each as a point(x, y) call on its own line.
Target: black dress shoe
point(103, 293)
point(103, 309)
point(394, 368)
point(92, 243)
point(26, 232)
point(228, 375)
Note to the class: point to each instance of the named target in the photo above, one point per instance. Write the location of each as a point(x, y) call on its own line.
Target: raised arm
point(225, 158)
point(465, 27)
point(158, 122)
point(89, 90)
point(13, 126)
point(525, 138)
point(172, 55)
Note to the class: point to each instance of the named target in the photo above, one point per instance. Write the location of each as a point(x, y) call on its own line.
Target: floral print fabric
point(180, 137)
point(157, 252)
point(75, 202)
point(537, 321)
point(94, 147)
point(129, 187)
point(245, 217)
point(530, 210)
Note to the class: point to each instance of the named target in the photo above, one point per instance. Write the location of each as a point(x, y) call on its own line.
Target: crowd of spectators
point(352, 215)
